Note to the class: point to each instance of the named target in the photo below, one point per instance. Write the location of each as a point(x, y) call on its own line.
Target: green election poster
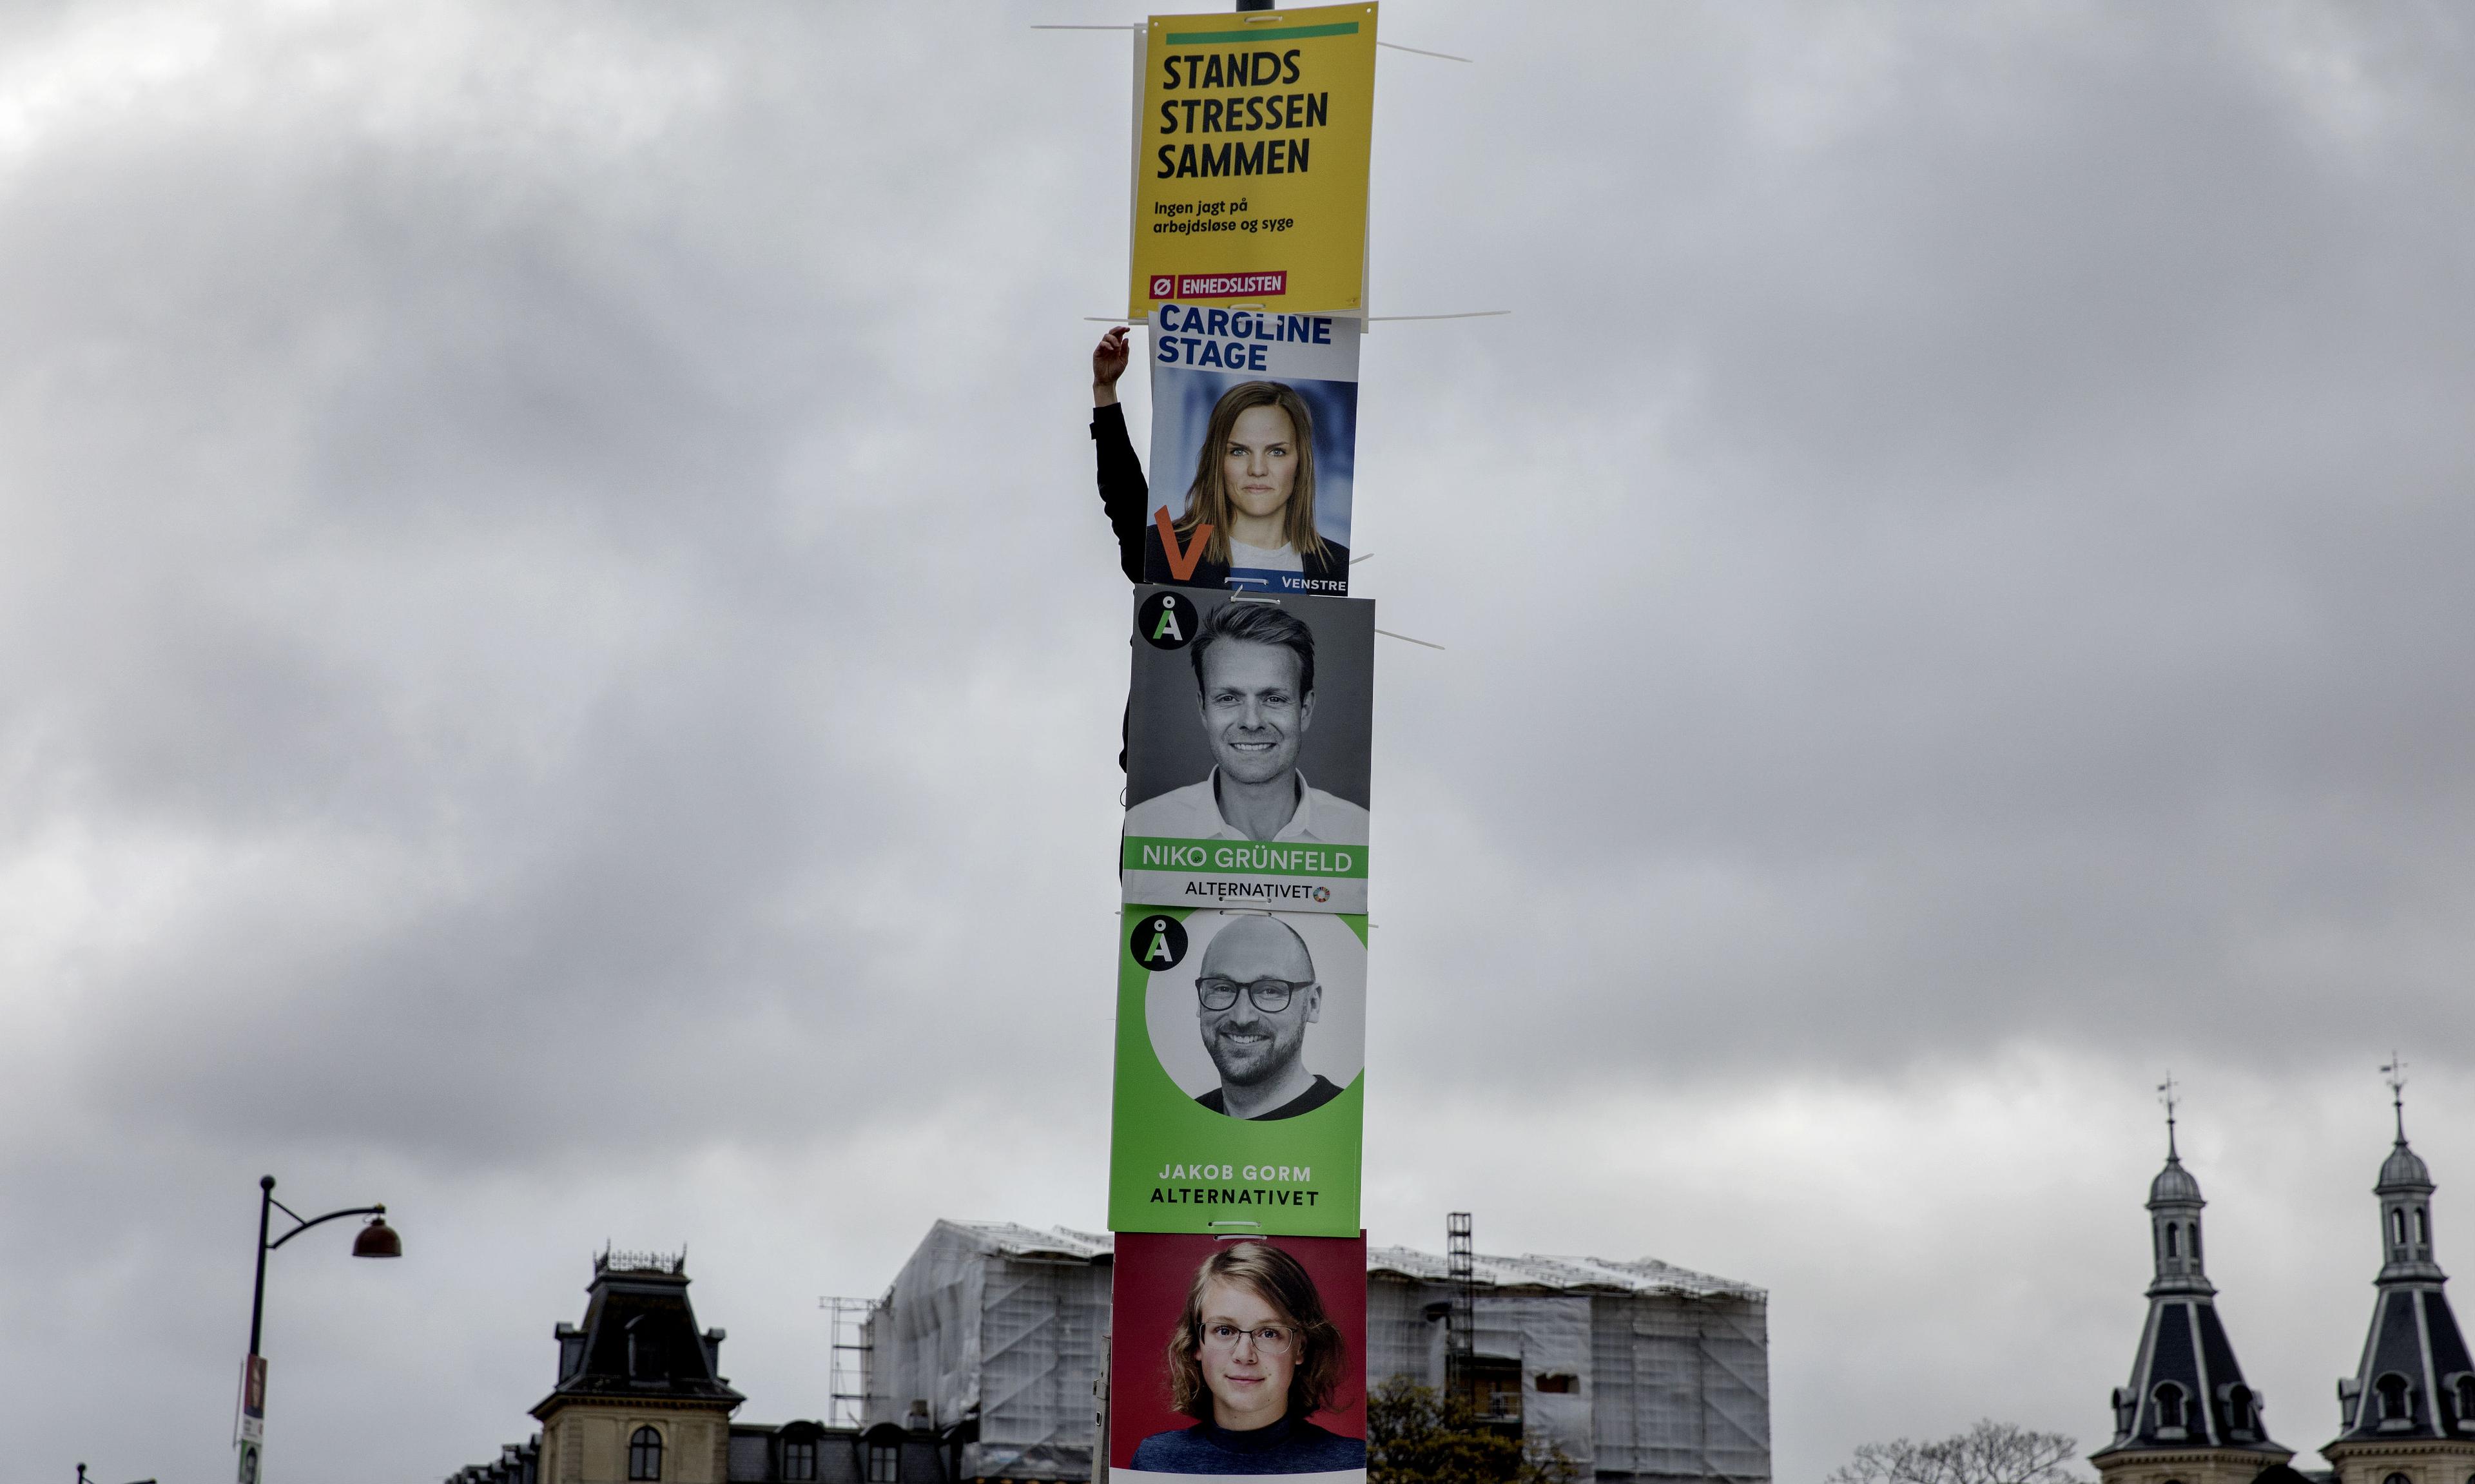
point(1241, 1053)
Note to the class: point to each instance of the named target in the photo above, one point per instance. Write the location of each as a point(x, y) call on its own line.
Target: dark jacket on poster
point(1290, 1446)
point(1126, 497)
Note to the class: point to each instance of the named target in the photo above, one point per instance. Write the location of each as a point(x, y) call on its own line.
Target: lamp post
point(375, 1239)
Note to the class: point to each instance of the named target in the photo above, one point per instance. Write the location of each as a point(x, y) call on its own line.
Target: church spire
point(2175, 1214)
point(2416, 1384)
point(2187, 1397)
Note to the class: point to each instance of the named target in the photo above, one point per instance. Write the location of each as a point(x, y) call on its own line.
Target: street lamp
point(375, 1239)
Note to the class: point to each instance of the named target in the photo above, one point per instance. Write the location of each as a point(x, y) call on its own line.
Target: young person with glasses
point(1252, 1359)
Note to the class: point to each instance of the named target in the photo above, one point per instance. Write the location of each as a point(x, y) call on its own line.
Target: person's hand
point(1108, 360)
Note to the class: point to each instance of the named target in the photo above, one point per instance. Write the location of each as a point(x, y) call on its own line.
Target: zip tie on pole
point(1372, 319)
point(1417, 51)
point(1405, 639)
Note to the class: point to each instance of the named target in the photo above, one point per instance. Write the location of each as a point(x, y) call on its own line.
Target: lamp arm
point(359, 1210)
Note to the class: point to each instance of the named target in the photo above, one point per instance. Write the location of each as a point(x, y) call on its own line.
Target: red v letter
point(1180, 564)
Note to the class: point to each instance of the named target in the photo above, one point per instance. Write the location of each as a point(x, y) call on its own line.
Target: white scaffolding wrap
point(1001, 1331)
point(1668, 1369)
point(1655, 1374)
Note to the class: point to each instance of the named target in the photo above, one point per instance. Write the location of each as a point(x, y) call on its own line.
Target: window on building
point(2397, 1478)
point(645, 1455)
point(2397, 1224)
point(2239, 1408)
point(2196, 1241)
point(884, 1463)
point(643, 1350)
point(800, 1460)
point(2169, 1405)
point(2174, 1239)
point(2397, 1398)
point(2464, 1390)
point(2423, 1228)
point(1559, 1383)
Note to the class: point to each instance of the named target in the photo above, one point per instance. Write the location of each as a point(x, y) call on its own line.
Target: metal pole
point(258, 1294)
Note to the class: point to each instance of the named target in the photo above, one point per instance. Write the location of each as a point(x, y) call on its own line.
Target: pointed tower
point(2187, 1416)
point(2407, 1416)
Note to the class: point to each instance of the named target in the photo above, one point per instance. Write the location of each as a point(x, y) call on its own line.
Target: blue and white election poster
point(1254, 446)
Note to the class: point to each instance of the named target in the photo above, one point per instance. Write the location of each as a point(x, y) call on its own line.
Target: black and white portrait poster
point(1248, 734)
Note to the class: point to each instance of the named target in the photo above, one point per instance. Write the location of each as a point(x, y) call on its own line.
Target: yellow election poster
point(1250, 159)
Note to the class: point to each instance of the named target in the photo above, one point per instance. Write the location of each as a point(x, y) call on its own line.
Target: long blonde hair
point(1207, 499)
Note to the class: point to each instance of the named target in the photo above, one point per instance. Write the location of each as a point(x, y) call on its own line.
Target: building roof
point(2174, 1184)
point(2407, 1385)
point(1530, 1271)
point(639, 1340)
point(1005, 1239)
point(2403, 1169)
point(1569, 1275)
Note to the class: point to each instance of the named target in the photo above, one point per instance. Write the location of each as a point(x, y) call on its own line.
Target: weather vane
point(2165, 1094)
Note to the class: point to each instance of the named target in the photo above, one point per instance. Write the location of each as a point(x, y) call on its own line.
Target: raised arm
point(1123, 493)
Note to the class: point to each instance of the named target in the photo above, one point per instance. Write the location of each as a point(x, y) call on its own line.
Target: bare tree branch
point(1989, 1453)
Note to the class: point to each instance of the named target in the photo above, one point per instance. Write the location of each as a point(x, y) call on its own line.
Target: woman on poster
point(1251, 1358)
point(1253, 486)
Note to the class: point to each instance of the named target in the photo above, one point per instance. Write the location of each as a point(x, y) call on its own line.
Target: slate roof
point(2186, 1389)
point(639, 1340)
point(2416, 1380)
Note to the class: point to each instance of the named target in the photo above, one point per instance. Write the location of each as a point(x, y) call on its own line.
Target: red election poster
point(1238, 1356)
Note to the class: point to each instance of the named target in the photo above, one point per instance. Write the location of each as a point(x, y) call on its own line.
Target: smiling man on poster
point(1254, 999)
point(1254, 675)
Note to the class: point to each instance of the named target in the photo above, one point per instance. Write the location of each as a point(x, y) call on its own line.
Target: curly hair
point(1281, 1281)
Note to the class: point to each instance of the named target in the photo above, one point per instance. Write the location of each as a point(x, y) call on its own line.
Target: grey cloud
point(562, 662)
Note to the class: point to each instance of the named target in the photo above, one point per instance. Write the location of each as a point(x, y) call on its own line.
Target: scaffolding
point(849, 1368)
point(995, 1337)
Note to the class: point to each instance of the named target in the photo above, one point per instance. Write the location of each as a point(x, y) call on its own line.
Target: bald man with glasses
point(1255, 996)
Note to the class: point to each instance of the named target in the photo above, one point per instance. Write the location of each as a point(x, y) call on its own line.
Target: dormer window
point(2396, 1396)
point(2461, 1392)
point(2170, 1410)
point(884, 1463)
point(644, 1352)
point(2239, 1402)
point(800, 1460)
point(645, 1455)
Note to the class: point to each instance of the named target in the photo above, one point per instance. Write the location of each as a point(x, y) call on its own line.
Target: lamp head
point(378, 1239)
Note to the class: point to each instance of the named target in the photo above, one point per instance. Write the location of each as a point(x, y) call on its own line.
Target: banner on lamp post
point(1251, 154)
point(1249, 729)
point(1260, 1337)
point(1239, 1103)
point(1254, 449)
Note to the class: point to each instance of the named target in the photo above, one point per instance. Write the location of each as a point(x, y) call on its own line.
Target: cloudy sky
point(559, 668)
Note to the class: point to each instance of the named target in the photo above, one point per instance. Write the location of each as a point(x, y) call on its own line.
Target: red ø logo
point(1163, 286)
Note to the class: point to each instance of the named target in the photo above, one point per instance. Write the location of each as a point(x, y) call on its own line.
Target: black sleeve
point(1124, 494)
